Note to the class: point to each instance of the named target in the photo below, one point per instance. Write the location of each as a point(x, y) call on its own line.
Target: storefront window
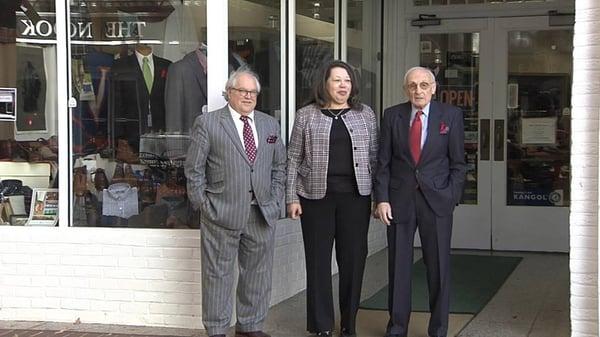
point(139, 78)
point(538, 167)
point(315, 34)
point(454, 60)
point(364, 48)
point(255, 42)
point(28, 113)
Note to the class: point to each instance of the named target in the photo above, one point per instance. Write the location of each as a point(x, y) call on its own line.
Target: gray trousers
point(253, 248)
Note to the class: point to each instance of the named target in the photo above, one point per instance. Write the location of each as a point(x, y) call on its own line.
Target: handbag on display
point(10, 187)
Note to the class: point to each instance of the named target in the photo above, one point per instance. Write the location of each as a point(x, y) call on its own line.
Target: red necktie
point(415, 136)
point(249, 143)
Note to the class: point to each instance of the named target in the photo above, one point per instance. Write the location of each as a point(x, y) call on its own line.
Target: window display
point(538, 169)
point(139, 76)
point(28, 109)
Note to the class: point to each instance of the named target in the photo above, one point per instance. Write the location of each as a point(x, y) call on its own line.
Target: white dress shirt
point(140, 59)
point(239, 125)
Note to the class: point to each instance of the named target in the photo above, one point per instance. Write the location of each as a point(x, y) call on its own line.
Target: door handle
point(484, 139)
point(499, 140)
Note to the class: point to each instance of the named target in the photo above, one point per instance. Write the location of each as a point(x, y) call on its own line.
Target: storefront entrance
point(512, 78)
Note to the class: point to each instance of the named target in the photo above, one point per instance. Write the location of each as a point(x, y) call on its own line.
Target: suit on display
point(185, 91)
point(419, 181)
point(139, 101)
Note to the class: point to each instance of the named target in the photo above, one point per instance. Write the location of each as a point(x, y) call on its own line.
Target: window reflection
point(139, 76)
point(255, 42)
point(539, 118)
point(454, 59)
point(28, 110)
point(363, 36)
point(315, 32)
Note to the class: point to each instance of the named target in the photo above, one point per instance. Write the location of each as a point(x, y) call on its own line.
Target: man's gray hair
point(233, 77)
point(427, 70)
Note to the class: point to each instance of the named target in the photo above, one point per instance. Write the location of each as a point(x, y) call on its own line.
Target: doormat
point(475, 279)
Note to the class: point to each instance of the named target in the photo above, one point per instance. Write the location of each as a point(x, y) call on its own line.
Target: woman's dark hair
point(321, 96)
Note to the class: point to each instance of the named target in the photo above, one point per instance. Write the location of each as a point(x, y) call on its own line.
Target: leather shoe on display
point(119, 174)
point(130, 177)
point(100, 180)
point(251, 334)
point(80, 181)
point(324, 333)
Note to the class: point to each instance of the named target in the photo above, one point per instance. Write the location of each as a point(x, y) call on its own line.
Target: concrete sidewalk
point(51, 329)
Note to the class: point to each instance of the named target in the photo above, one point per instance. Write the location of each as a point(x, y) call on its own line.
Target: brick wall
point(584, 163)
point(125, 276)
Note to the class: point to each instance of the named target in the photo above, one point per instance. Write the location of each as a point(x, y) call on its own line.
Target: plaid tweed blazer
point(308, 151)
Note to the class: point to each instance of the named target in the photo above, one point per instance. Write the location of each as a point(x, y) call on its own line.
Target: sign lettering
point(82, 30)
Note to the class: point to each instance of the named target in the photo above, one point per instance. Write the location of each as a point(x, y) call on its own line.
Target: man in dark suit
point(419, 180)
point(139, 95)
point(235, 172)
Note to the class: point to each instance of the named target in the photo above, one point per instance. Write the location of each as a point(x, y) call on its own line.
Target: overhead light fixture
point(426, 20)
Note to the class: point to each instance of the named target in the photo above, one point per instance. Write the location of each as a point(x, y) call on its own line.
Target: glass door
point(512, 78)
point(531, 175)
point(459, 54)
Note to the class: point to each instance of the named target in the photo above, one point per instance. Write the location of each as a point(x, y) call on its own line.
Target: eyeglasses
point(422, 85)
point(244, 92)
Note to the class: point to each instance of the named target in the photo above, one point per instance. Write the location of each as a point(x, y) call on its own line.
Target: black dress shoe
point(346, 333)
point(324, 333)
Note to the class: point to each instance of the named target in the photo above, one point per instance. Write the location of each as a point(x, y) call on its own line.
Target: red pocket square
point(271, 139)
point(444, 129)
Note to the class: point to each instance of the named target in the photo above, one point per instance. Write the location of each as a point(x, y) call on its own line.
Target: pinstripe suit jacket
point(221, 180)
point(308, 151)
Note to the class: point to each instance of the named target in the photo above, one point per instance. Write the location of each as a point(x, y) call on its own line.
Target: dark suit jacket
point(440, 173)
point(185, 93)
point(132, 101)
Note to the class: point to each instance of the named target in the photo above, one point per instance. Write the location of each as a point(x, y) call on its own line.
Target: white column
point(584, 162)
point(218, 54)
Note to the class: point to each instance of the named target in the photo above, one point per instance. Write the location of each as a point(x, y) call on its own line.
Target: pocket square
point(271, 139)
point(444, 129)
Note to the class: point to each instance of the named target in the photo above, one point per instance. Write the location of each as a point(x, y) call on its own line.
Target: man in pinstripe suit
point(235, 172)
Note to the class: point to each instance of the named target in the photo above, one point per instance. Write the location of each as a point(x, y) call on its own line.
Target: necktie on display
point(249, 143)
point(415, 136)
point(147, 73)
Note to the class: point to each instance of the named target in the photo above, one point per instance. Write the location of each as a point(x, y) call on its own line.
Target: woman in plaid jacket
point(331, 157)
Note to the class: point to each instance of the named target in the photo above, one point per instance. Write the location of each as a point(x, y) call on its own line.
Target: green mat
point(474, 281)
